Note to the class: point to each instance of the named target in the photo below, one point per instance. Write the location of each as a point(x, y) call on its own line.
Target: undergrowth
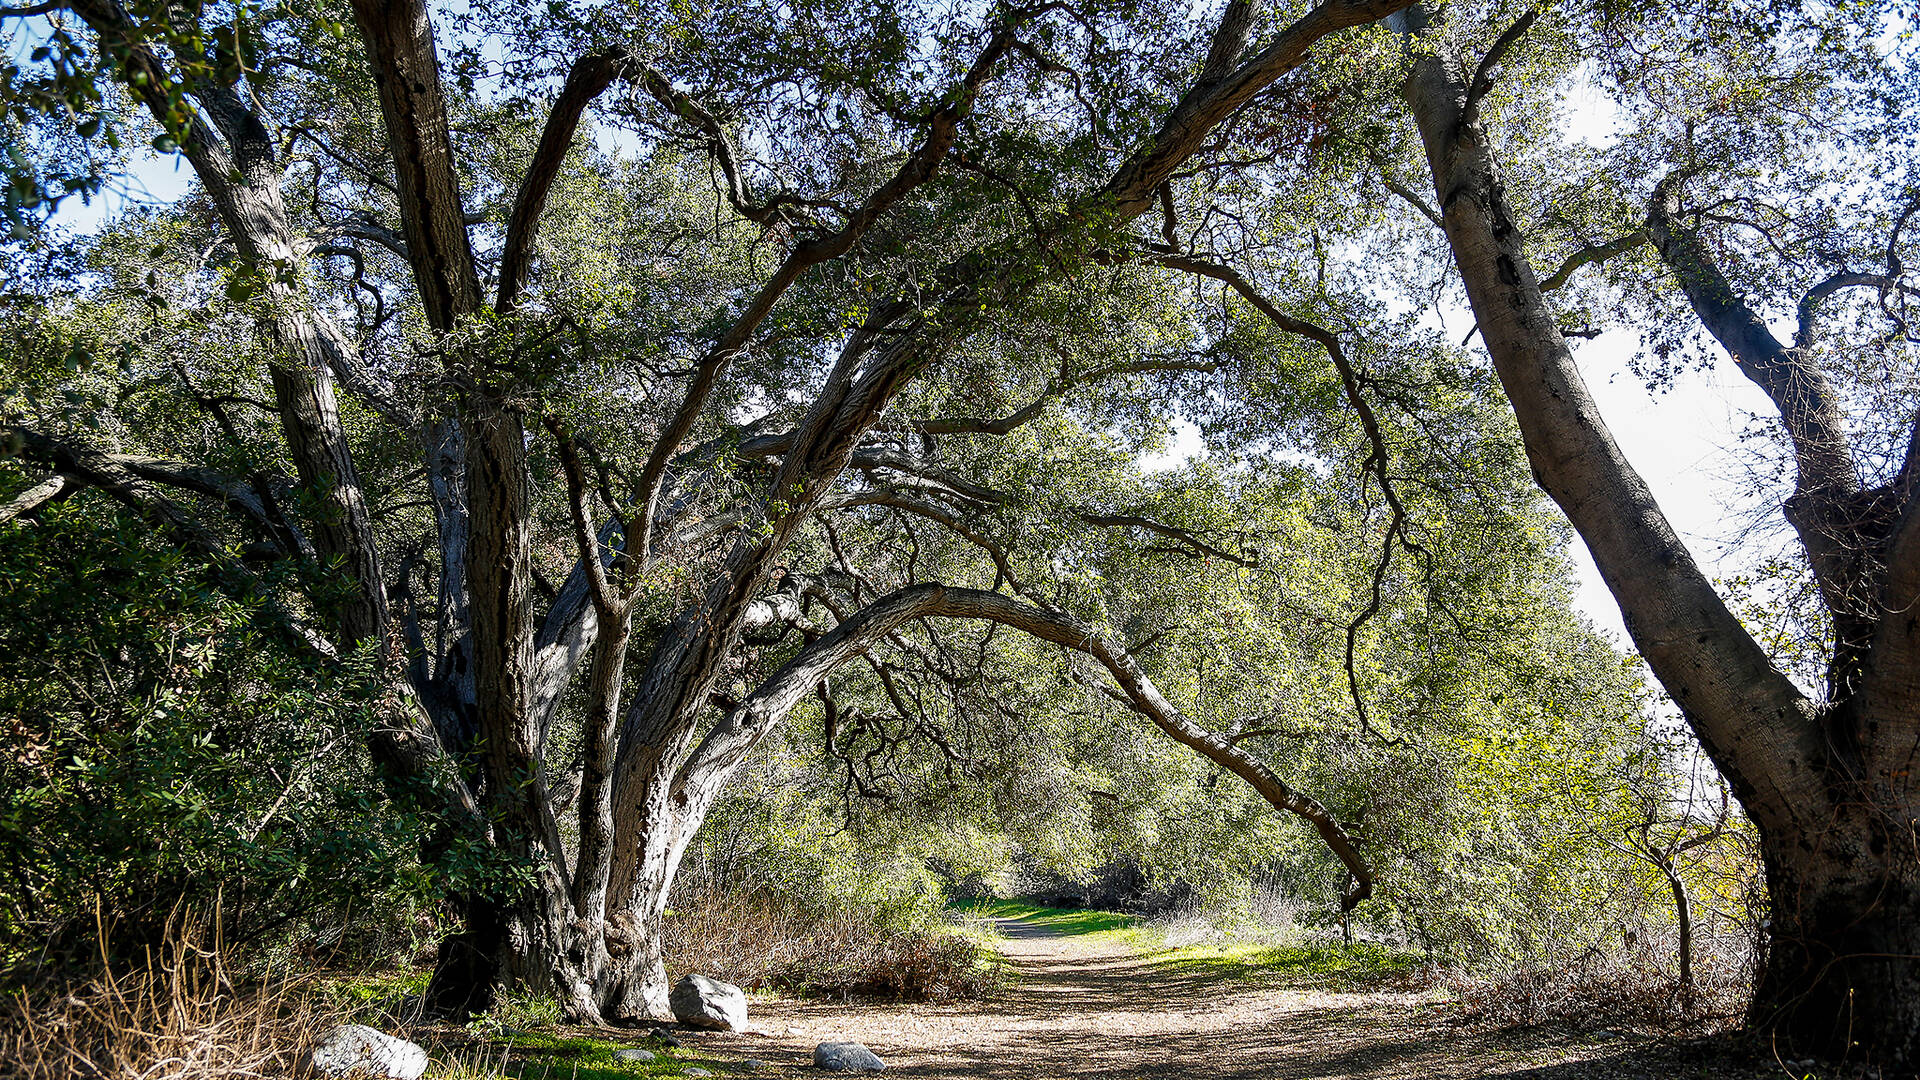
point(835, 953)
point(1632, 986)
point(176, 1013)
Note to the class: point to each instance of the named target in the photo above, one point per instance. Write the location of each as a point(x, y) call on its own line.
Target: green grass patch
point(1321, 964)
point(373, 998)
point(1064, 921)
point(379, 986)
point(1318, 964)
point(540, 1055)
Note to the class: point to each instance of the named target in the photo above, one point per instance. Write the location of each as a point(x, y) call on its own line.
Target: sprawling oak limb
point(1222, 90)
point(1808, 405)
point(942, 128)
point(699, 780)
point(589, 77)
point(36, 496)
point(1586, 256)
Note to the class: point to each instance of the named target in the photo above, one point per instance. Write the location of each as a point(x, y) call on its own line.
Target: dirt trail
point(1083, 1010)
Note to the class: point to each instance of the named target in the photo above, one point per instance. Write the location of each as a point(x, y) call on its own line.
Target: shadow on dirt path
point(1087, 1009)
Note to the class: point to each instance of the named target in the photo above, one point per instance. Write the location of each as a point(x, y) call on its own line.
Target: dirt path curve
point(1082, 1010)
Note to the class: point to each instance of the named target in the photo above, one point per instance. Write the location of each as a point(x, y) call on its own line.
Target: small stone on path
point(846, 1057)
point(697, 1071)
point(633, 1054)
point(754, 1065)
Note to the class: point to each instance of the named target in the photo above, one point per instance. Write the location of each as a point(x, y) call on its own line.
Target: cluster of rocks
point(363, 1053)
point(698, 1001)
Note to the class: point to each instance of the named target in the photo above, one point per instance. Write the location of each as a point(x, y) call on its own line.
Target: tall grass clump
point(173, 1011)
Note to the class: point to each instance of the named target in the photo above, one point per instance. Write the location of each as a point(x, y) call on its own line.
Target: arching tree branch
point(729, 741)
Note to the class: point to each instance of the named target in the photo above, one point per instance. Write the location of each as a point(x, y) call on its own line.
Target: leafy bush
point(172, 746)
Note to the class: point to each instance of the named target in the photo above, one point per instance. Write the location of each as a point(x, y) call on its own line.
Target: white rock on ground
point(709, 1003)
point(359, 1051)
point(846, 1057)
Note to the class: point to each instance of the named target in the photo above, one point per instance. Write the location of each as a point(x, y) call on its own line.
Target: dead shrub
point(1631, 984)
point(765, 945)
point(176, 1013)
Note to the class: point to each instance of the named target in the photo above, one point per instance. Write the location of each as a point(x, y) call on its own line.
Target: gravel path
point(1090, 1011)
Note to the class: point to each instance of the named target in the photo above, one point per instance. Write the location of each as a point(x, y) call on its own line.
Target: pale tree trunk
point(637, 989)
point(1683, 919)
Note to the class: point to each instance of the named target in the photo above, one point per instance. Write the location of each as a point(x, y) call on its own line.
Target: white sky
point(1684, 442)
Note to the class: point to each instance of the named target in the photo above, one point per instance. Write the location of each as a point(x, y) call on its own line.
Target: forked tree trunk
point(1829, 787)
point(604, 964)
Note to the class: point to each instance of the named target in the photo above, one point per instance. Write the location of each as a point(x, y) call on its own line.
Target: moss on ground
point(556, 1056)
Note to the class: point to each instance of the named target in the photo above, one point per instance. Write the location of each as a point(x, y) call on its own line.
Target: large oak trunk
point(603, 961)
point(1842, 972)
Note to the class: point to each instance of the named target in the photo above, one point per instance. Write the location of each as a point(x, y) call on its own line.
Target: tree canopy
point(600, 386)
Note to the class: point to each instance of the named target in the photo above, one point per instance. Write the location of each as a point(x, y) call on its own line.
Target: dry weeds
point(176, 1013)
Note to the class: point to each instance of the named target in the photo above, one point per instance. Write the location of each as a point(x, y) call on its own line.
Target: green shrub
point(172, 747)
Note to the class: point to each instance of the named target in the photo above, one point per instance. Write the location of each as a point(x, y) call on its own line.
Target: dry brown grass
point(176, 1012)
point(1633, 985)
point(843, 953)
